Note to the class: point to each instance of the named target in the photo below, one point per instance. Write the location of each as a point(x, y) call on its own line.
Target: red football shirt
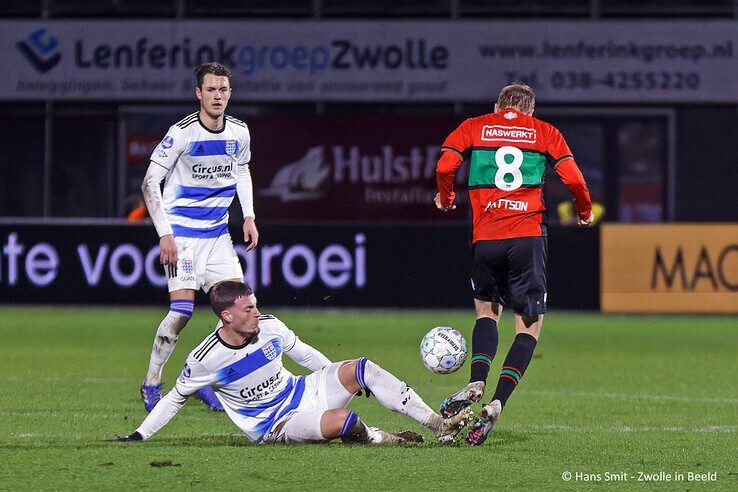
point(508, 152)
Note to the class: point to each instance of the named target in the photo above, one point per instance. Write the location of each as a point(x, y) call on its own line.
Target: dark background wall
point(707, 163)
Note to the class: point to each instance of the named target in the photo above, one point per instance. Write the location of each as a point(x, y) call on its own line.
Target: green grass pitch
point(604, 396)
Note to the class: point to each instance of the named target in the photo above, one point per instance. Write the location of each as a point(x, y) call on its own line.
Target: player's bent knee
point(528, 324)
point(486, 309)
point(353, 374)
point(348, 375)
point(333, 422)
point(363, 366)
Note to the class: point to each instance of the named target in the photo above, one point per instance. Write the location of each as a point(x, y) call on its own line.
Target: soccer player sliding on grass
point(508, 151)
point(242, 362)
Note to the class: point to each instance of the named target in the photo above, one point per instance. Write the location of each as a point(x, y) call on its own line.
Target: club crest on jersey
point(187, 266)
point(510, 115)
point(230, 147)
point(270, 351)
point(167, 142)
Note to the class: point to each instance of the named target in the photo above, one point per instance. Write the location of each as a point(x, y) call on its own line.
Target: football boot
point(484, 424)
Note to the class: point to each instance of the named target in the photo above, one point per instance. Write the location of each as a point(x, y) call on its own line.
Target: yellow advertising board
point(669, 268)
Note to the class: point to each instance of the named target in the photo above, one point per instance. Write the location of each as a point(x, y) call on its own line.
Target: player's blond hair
point(517, 95)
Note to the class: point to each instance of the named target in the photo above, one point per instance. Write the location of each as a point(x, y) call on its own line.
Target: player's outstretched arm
point(162, 413)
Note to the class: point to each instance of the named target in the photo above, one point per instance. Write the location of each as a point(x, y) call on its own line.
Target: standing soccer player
point(203, 161)
point(508, 151)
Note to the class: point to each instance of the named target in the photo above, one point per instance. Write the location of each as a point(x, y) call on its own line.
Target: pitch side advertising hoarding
point(307, 265)
point(566, 61)
point(311, 265)
point(675, 268)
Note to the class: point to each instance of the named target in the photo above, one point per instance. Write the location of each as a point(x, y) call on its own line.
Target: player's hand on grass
point(250, 233)
point(588, 222)
point(130, 438)
point(437, 200)
point(167, 250)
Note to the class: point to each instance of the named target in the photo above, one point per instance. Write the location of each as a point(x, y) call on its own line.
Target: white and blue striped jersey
point(256, 390)
point(201, 173)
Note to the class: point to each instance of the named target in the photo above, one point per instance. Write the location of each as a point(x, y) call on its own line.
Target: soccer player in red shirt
point(508, 151)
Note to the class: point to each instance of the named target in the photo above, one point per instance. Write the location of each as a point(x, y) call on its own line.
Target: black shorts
point(511, 272)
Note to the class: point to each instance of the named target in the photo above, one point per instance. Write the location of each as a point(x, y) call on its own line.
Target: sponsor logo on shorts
point(508, 133)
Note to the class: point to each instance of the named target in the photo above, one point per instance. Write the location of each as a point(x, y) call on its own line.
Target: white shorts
point(203, 263)
point(323, 391)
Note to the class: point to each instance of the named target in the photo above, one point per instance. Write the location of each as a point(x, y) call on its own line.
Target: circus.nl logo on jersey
point(40, 50)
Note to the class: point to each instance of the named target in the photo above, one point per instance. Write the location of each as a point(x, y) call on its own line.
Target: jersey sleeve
point(557, 150)
point(162, 413)
point(561, 159)
point(194, 377)
point(287, 336)
point(459, 143)
point(170, 148)
point(446, 169)
point(460, 140)
point(244, 152)
point(307, 356)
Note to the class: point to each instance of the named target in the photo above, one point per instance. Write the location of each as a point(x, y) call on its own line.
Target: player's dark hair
point(213, 68)
point(224, 294)
point(517, 95)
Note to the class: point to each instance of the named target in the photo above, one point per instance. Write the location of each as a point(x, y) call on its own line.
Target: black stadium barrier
point(312, 265)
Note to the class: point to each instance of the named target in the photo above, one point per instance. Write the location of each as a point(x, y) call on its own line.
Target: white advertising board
point(565, 61)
